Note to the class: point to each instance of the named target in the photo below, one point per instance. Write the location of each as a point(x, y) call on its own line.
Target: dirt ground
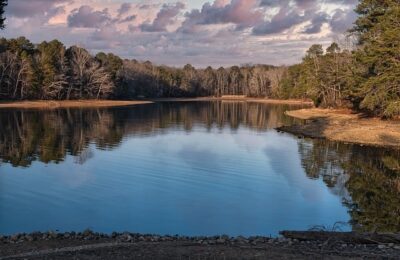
point(344, 126)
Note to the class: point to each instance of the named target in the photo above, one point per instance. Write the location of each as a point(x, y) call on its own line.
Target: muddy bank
point(43, 104)
point(90, 245)
point(344, 126)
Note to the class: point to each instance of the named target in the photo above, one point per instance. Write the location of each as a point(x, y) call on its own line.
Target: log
point(345, 237)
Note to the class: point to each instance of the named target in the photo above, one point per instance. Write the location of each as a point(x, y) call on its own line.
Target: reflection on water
point(367, 178)
point(195, 168)
point(48, 136)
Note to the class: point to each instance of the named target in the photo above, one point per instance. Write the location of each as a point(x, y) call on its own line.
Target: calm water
point(200, 168)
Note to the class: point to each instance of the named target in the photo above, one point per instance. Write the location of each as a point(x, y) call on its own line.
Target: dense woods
point(51, 71)
point(363, 73)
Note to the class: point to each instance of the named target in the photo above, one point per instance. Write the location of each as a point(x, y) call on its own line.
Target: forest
point(49, 70)
point(363, 74)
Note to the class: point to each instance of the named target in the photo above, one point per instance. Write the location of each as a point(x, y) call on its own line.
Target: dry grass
point(238, 98)
point(345, 126)
point(44, 104)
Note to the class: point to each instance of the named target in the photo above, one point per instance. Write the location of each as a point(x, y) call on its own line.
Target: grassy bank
point(345, 126)
point(240, 99)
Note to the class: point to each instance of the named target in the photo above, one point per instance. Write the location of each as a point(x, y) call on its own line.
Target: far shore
point(345, 126)
point(47, 104)
point(238, 99)
point(51, 104)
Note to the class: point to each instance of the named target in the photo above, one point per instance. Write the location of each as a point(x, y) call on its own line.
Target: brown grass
point(238, 98)
point(44, 104)
point(345, 126)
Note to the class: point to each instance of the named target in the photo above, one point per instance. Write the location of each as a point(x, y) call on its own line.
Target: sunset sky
point(200, 32)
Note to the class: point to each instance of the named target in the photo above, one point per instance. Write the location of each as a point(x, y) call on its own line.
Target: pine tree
point(378, 56)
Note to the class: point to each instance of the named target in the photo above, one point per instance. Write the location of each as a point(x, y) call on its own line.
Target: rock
point(344, 245)
point(29, 238)
point(14, 238)
point(241, 240)
point(397, 247)
point(391, 244)
point(87, 233)
point(381, 246)
point(220, 241)
point(51, 234)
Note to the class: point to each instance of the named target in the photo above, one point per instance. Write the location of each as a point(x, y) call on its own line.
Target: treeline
point(51, 71)
point(365, 77)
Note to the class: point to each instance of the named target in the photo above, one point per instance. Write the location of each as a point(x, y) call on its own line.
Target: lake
point(187, 168)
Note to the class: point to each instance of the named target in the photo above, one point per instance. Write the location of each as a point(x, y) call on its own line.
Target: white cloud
point(224, 32)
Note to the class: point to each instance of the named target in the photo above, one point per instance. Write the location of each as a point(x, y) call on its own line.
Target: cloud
point(87, 17)
point(25, 8)
point(166, 16)
point(241, 13)
point(216, 32)
point(125, 7)
point(342, 20)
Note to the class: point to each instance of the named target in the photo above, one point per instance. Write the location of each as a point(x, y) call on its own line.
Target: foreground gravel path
point(89, 245)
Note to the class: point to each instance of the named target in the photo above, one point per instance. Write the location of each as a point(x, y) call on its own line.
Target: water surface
point(187, 168)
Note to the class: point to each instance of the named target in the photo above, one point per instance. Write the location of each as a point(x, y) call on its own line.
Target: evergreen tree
point(378, 60)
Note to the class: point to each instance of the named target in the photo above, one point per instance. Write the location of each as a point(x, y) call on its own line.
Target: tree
point(53, 69)
point(378, 57)
point(89, 78)
point(3, 4)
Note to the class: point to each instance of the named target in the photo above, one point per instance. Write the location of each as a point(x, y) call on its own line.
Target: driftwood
point(345, 237)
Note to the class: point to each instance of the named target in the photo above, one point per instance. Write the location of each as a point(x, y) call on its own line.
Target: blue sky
point(177, 32)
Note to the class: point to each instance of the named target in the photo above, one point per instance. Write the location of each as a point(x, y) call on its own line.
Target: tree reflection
point(368, 180)
point(49, 136)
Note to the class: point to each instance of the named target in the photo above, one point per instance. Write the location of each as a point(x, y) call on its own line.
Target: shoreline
point(50, 104)
point(238, 99)
point(46, 104)
point(342, 125)
point(293, 245)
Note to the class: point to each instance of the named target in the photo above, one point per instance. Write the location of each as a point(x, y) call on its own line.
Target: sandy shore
point(44, 104)
point(345, 126)
point(89, 245)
